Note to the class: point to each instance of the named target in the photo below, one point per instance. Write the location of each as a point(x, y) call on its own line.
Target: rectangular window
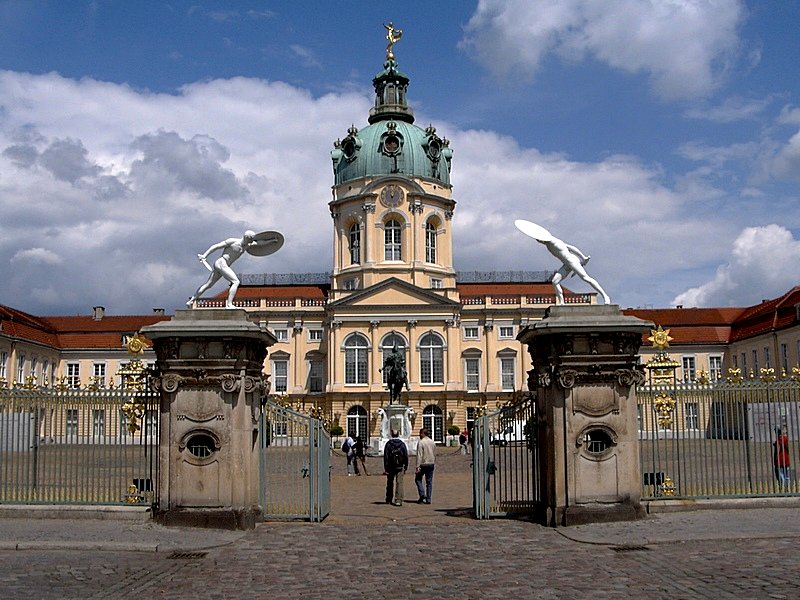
point(45, 373)
point(21, 368)
point(767, 361)
point(744, 364)
point(755, 362)
point(73, 375)
point(315, 335)
point(471, 333)
point(315, 376)
point(785, 357)
point(470, 418)
point(280, 375)
point(507, 374)
point(3, 365)
point(123, 424)
point(34, 366)
point(690, 414)
point(735, 361)
point(715, 368)
point(506, 332)
point(99, 374)
point(351, 284)
point(689, 370)
point(71, 423)
point(281, 334)
point(150, 425)
point(436, 284)
point(98, 423)
point(472, 374)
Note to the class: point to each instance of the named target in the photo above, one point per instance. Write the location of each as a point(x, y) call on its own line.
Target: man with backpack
point(395, 464)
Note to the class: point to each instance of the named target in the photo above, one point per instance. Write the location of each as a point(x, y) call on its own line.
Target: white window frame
point(393, 240)
point(280, 375)
point(755, 362)
point(98, 423)
point(715, 367)
point(468, 335)
point(281, 334)
point(351, 284)
point(316, 364)
point(3, 364)
point(431, 359)
point(505, 332)
point(356, 360)
point(472, 373)
point(436, 283)
point(71, 423)
point(689, 364)
point(508, 372)
point(20, 368)
point(785, 357)
point(73, 375)
point(354, 243)
point(691, 416)
point(99, 373)
point(767, 358)
point(430, 243)
point(315, 335)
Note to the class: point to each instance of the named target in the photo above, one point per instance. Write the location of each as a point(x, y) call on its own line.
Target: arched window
point(355, 360)
point(433, 421)
point(355, 244)
point(431, 359)
point(387, 345)
point(430, 242)
point(392, 240)
point(357, 423)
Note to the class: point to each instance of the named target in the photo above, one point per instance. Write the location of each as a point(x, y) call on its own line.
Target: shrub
point(453, 430)
point(336, 429)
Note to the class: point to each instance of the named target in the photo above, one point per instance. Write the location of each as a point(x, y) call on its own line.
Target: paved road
point(371, 550)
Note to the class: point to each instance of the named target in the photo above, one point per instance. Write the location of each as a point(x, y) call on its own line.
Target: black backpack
point(396, 458)
point(345, 447)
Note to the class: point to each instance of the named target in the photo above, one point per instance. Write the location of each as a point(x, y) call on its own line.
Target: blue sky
point(661, 137)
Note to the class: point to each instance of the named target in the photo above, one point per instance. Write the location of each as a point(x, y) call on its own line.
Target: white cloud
point(731, 110)
point(37, 255)
point(142, 182)
point(684, 46)
point(764, 263)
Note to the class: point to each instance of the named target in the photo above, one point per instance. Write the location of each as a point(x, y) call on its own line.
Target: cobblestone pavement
point(367, 549)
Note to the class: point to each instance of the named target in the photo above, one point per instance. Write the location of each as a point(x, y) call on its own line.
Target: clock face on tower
point(392, 196)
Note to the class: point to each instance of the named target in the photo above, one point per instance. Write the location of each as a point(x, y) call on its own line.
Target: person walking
point(426, 457)
point(395, 465)
point(349, 452)
point(462, 441)
point(780, 459)
point(361, 455)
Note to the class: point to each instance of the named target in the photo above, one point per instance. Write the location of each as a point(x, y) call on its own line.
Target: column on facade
point(333, 355)
point(451, 331)
point(376, 359)
point(298, 358)
point(412, 359)
point(490, 385)
point(366, 225)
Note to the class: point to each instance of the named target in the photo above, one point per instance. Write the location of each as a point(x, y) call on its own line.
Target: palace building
point(393, 283)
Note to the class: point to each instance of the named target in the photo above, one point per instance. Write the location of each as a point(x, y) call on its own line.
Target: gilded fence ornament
point(702, 378)
point(668, 487)
point(796, 373)
point(30, 383)
point(3, 382)
point(664, 405)
point(61, 384)
point(734, 375)
point(767, 374)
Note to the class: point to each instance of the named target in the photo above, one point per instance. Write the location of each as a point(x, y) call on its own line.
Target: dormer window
point(355, 244)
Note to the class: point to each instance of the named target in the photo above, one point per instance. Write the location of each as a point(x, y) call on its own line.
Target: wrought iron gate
point(295, 461)
point(505, 460)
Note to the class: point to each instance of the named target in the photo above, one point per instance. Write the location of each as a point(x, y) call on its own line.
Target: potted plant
point(453, 432)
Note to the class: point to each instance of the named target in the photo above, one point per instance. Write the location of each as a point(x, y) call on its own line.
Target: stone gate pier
point(210, 376)
point(585, 368)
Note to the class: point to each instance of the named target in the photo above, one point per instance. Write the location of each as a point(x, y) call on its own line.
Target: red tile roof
point(690, 325)
point(771, 315)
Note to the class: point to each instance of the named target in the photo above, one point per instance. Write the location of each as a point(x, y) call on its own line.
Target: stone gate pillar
point(210, 376)
point(585, 367)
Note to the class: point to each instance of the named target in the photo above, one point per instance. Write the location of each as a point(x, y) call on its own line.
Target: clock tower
point(392, 204)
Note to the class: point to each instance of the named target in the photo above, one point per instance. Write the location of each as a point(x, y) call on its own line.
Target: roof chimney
point(679, 306)
point(158, 311)
point(98, 312)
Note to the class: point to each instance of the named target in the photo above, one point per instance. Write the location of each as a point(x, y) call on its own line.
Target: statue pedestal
point(398, 417)
point(585, 367)
point(210, 365)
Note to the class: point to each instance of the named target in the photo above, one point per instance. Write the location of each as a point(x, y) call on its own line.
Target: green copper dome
point(391, 144)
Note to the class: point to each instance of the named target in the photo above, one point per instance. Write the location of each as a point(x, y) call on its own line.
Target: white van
point(513, 433)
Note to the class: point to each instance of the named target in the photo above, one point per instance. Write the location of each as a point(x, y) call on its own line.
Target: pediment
point(394, 292)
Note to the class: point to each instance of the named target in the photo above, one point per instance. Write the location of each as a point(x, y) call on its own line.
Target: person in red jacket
point(780, 459)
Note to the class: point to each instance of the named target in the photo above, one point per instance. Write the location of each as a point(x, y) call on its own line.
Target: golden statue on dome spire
point(393, 35)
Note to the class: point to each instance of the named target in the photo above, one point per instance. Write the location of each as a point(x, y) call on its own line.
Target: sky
point(662, 137)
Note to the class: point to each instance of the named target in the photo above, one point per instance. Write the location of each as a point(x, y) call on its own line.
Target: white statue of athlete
point(232, 248)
